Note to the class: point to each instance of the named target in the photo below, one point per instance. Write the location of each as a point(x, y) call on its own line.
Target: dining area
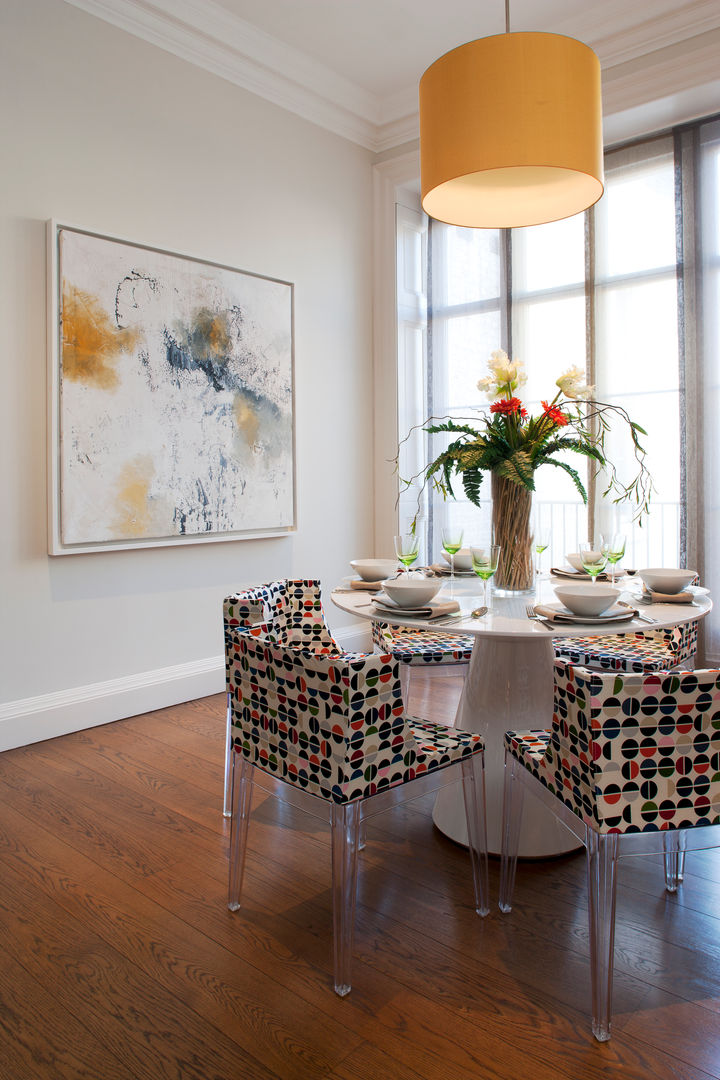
point(580, 690)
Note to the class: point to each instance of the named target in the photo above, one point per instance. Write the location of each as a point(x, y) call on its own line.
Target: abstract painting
point(172, 397)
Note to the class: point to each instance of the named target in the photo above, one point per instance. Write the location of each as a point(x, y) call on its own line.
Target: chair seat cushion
point(620, 652)
point(422, 646)
point(439, 746)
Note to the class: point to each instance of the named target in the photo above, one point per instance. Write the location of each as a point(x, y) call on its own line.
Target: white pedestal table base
point(509, 686)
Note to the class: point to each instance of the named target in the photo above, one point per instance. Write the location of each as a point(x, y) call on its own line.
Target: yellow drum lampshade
point(511, 131)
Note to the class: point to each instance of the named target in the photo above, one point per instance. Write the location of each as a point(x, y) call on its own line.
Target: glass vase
point(511, 529)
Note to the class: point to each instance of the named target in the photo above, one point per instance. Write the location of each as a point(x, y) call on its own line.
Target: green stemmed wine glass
point(616, 550)
point(541, 542)
point(452, 539)
point(407, 547)
point(594, 556)
point(485, 563)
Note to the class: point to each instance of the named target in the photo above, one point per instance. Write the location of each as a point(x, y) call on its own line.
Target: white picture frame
point(171, 397)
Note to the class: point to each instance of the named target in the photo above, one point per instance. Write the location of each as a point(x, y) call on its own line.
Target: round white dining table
point(509, 686)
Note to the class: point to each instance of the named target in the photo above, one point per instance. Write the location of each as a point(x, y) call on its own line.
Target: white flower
point(498, 358)
point(489, 386)
point(570, 382)
point(506, 371)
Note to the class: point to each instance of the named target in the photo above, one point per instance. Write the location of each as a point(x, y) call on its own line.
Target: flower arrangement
point(511, 445)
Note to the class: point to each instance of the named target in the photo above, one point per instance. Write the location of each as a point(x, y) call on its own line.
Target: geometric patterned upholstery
point(644, 651)
point(410, 646)
point(331, 726)
point(635, 753)
point(631, 766)
point(330, 722)
point(292, 609)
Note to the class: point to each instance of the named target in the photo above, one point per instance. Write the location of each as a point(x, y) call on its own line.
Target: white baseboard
point(49, 715)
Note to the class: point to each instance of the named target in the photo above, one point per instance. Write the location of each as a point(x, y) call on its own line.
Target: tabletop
point(508, 615)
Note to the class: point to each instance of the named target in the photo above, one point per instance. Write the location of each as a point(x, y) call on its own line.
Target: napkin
point(434, 610)
point(651, 597)
point(575, 575)
point(552, 614)
point(367, 586)
point(444, 571)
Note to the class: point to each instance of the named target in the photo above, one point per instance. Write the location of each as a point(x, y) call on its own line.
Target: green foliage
point(515, 446)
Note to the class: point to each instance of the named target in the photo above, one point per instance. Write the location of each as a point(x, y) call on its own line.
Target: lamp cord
point(507, 16)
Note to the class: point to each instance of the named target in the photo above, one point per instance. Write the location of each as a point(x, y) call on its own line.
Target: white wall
point(107, 132)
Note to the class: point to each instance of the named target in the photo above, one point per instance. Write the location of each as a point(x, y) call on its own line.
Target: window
point(630, 291)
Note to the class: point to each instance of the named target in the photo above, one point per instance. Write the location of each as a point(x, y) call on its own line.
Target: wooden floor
point(120, 961)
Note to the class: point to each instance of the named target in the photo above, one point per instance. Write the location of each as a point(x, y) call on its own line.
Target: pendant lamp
point(511, 131)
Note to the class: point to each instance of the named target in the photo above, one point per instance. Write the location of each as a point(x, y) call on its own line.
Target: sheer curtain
point(631, 292)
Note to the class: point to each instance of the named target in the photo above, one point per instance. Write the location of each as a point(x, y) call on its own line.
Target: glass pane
point(635, 219)
point(637, 336)
point(466, 341)
point(466, 265)
point(549, 337)
point(547, 256)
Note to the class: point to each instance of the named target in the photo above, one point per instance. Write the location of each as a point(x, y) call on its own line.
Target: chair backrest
point(682, 640)
point(331, 722)
point(636, 753)
point(290, 611)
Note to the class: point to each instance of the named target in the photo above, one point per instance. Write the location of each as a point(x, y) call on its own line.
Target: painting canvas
point(172, 398)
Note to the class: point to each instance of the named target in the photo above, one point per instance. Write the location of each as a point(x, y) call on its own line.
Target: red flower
point(554, 414)
point(507, 406)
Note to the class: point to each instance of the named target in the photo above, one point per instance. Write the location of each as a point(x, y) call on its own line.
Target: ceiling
point(353, 66)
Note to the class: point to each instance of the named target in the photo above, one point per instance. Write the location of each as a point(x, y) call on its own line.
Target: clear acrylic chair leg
point(473, 773)
point(242, 784)
point(602, 854)
point(513, 799)
point(227, 789)
point(674, 860)
point(405, 684)
point(344, 822)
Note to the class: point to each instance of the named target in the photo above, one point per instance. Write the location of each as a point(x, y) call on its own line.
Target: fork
point(638, 614)
point(532, 614)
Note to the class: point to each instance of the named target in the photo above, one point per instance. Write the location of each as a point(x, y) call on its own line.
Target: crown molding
point(692, 64)
point(643, 37)
point(642, 62)
point(207, 35)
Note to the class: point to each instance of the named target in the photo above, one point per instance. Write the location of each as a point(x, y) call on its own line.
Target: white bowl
point(412, 592)
point(587, 599)
point(463, 559)
point(374, 569)
point(576, 562)
point(665, 580)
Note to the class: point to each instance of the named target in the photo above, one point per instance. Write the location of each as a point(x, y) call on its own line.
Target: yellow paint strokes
point(134, 516)
point(91, 343)
point(246, 417)
point(211, 335)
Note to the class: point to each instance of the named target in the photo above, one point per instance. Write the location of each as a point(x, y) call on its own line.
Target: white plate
point(383, 600)
point(458, 573)
point(614, 614)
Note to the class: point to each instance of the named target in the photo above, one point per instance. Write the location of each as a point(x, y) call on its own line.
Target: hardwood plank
point(154, 1034)
point(113, 852)
point(41, 1038)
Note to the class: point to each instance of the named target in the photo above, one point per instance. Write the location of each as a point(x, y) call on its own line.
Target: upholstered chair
point(438, 652)
point(327, 731)
point(631, 765)
point(288, 610)
point(643, 651)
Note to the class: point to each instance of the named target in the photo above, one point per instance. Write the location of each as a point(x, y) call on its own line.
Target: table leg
point(509, 685)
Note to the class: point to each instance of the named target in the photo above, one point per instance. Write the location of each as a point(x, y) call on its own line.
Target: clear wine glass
point(452, 539)
point(616, 550)
point(407, 547)
point(594, 556)
point(485, 563)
